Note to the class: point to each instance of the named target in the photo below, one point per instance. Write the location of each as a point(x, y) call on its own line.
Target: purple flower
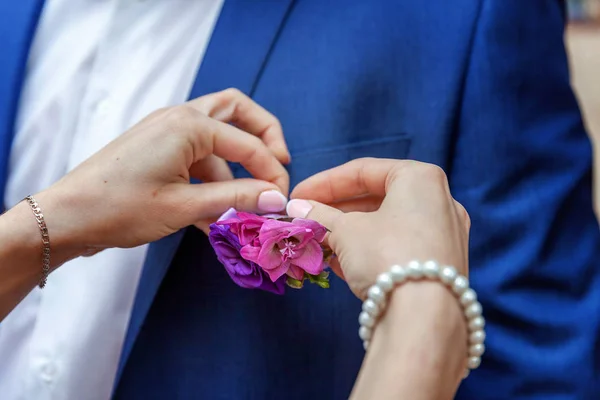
point(243, 272)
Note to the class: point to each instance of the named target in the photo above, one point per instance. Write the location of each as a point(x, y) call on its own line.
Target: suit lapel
point(18, 21)
point(238, 49)
point(240, 45)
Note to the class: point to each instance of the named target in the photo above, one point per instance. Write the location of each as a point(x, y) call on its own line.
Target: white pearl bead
point(365, 333)
point(474, 310)
point(460, 285)
point(414, 269)
point(476, 323)
point(448, 275)
point(366, 320)
point(376, 294)
point(466, 373)
point(385, 282)
point(398, 273)
point(468, 297)
point(370, 307)
point(431, 269)
point(477, 337)
point(477, 350)
point(374, 305)
point(474, 362)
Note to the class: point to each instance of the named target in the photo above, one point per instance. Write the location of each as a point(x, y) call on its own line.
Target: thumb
point(323, 214)
point(210, 200)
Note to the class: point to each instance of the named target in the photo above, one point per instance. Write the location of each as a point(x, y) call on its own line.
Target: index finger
point(233, 106)
point(360, 177)
point(235, 145)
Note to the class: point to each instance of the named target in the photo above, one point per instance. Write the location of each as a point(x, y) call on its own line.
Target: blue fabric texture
point(480, 88)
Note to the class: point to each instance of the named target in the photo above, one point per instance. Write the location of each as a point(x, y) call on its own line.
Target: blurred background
point(583, 44)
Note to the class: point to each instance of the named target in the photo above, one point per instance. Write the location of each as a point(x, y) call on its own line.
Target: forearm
point(21, 248)
point(20, 256)
point(418, 350)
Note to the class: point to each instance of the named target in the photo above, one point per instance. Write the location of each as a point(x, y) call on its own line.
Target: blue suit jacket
point(478, 87)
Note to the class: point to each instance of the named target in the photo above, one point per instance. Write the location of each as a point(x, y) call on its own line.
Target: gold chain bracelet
point(39, 217)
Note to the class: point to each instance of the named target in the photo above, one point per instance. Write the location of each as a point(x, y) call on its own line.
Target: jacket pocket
point(308, 162)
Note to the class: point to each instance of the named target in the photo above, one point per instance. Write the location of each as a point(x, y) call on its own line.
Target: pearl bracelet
point(374, 305)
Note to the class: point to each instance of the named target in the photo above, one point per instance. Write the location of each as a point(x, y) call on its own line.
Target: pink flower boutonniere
point(269, 252)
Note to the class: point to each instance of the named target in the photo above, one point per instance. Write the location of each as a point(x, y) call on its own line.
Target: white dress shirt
point(96, 68)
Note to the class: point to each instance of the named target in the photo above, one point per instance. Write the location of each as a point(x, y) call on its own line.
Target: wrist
point(65, 227)
point(20, 234)
point(21, 255)
point(428, 318)
point(421, 336)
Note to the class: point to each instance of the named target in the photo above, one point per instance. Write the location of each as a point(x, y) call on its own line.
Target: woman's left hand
point(383, 212)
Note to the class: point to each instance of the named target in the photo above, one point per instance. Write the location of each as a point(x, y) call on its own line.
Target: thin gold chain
point(39, 217)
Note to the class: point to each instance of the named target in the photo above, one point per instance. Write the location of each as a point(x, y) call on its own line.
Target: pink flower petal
point(319, 230)
point(278, 272)
point(246, 226)
point(246, 234)
point(247, 217)
point(310, 258)
point(269, 257)
point(229, 221)
point(296, 272)
point(250, 253)
point(303, 236)
point(274, 230)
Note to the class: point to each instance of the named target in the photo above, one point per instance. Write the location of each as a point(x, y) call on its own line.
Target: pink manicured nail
point(298, 208)
point(271, 201)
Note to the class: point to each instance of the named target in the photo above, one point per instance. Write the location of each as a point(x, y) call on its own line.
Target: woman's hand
point(384, 212)
point(137, 189)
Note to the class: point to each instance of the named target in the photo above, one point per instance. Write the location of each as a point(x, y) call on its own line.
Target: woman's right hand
point(383, 212)
point(137, 189)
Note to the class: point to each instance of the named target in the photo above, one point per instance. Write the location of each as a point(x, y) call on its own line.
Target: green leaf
point(294, 283)
point(323, 284)
point(324, 275)
point(322, 279)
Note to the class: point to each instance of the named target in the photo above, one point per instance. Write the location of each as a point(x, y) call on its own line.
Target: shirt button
point(48, 372)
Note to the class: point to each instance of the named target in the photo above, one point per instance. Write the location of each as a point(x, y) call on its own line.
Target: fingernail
point(298, 208)
point(271, 201)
